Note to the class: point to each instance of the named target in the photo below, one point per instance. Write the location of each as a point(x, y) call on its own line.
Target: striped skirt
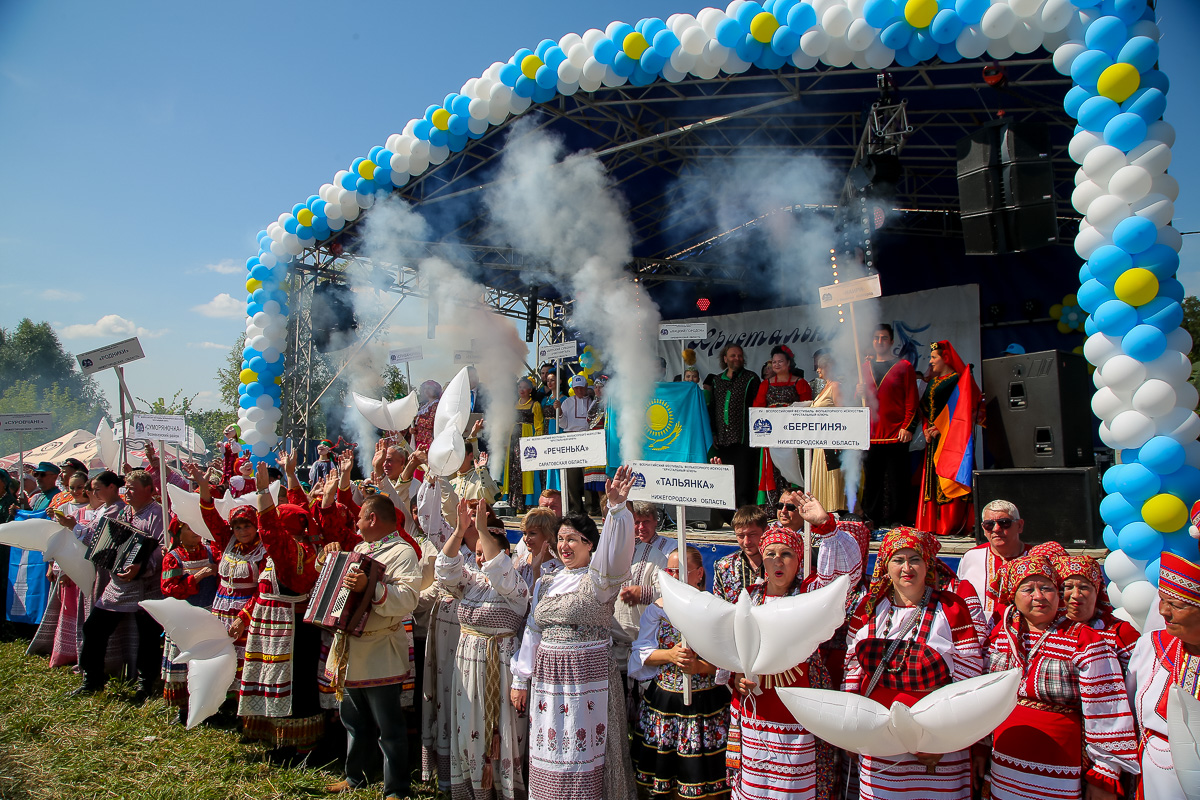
point(905, 778)
point(1037, 754)
point(778, 760)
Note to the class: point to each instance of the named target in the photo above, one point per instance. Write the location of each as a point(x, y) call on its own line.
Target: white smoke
point(565, 209)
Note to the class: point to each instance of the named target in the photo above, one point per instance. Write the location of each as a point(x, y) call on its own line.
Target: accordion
point(331, 605)
point(118, 546)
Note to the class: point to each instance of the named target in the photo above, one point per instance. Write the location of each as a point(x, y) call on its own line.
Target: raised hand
point(617, 488)
point(290, 461)
point(262, 478)
point(811, 510)
point(346, 460)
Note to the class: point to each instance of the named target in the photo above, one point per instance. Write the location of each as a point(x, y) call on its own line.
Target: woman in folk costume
point(279, 699)
point(564, 672)
point(908, 638)
point(950, 408)
point(1085, 598)
point(189, 572)
point(827, 483)
point(1165, 661)
point(422, 427)
point(61, 630)
point(780, 388)
point(521, 487)
point(772, 756)
point(677, 749)
point(488, 750)
point(1072, 725)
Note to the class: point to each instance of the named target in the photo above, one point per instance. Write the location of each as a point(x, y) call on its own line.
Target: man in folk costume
point(1162, 661)
point(733, 392)
point(889, 385)
point(1002, 526)
point(368, 671)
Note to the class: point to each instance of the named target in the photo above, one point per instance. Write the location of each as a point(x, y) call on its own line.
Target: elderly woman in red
point(778, 757)
point(909, 637)
point(1071, 702)
point(950, 408)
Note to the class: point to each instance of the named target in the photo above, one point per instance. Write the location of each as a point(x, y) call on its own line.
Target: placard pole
point(681, 555)
point(162, 480)
point(124, 428)
point(408, 377)
point(562, 473)
point(857, 350)
point(21, 464)
point(807, 525)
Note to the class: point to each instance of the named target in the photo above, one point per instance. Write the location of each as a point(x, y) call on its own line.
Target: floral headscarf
point(1013, 573)
point(244, 514)
point(781, 534)
point(902, 538)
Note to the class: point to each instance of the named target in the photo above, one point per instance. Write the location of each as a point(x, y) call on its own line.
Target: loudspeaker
point(1006, 189)
point(1060, 505)
point(332, 314)
point(1039, 410)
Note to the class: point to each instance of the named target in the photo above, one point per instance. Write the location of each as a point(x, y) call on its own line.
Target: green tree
point(32, 352)
point(394, 384)
point(230, 376)
point(68, 413)
point(210, 426)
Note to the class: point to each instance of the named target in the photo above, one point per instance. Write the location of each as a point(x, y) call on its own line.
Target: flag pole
point(681, 555)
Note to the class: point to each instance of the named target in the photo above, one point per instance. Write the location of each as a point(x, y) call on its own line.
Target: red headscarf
point(294, 520)
point(1088, 568)
point(902, 538)
point(1014, 572)
point(782, 534)
point(244, 514)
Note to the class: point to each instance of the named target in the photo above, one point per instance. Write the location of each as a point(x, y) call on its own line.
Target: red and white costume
point(978, 566)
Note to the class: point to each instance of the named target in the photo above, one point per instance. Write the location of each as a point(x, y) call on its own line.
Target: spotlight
point(703, 303)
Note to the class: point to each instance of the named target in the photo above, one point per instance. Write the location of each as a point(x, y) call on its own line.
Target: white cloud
point(226, 266)
point(222, 306)
point(209, 345)
point(61, 295)
point(110, 325)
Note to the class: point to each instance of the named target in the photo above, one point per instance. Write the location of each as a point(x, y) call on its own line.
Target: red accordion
point(331, 605)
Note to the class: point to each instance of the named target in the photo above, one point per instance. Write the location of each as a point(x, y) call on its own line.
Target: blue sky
point(146, 143)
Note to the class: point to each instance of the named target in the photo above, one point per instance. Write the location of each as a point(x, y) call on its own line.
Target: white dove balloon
point(204, 646)
point(108, 450)
point(744, 637)
point(394, 416)
point(447, 450)
point(186, 506)
point(944, 721)
point(225, 505)
point(455, 404)
point(787, 460)
point(1183, 732)
point(58, 543)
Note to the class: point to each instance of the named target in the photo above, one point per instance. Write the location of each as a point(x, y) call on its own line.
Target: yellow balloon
point(253, 284)
point(248, 376)
point(279, 380)
point(530, 65)
point(367, 168)
point(919, 13)
point(634, 45)
point(440, 120)
point(1056, 311)
point(1137, 287)
point(305, 217)
point(1165, 513)
point(763, 26)
point(1119, 81)
point(1071, 300)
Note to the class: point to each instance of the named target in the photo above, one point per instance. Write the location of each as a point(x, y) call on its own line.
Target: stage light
point(703, 303)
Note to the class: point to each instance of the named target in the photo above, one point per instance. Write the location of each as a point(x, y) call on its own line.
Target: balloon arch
point(1109, 49)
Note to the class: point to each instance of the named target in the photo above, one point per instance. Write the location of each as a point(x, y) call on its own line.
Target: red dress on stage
point(950, 404)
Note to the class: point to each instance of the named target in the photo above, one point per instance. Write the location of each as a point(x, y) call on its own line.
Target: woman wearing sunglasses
point(1072, 733)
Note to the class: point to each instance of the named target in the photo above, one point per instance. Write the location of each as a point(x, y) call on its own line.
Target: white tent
point(84, 446)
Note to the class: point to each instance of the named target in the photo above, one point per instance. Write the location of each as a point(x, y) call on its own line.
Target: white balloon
point(1065, 55)
point(593, 35)
point(1106, 211)
point(1100, 347)
point(586, 84)
point(250, 434)
point(1056, 14)
point(709, 19)
point(1154, 156)
point(1137, 597)
point(254, 414)
point(1181, 424)
point(436, 155)
point(1154, 207)
point(1098, 380)
point(1131, 183)
point(1085, 194)
point(1186, 395)
point(1147, 28)
point(259, 343)
point(998, 21)
point(1154, 398)
point(1172, 367)
point(839, 53)
point(1193, 453)
point(1106, 404)
point(1000, 48)
point(803, 60)
point(1081, 144)
point(879, 55)
point(1114, 592)
point(1102, 161)
point(1163, 184)
point(1123, 570)
point(734, 65)
point(1122, 372)
point(716, 53)
point(1052, 40)
point(671, 74)
point(693, 40)
point(1161, 131)
point(1171, 237)
point(836, 20)
point(820, 6)
point(1026, 8)
point(681, 61)
point(475, 126)
point(1179, 339)
point(1025, 37)
point(264, 401)
point(972, 42)
point(707, 71)
point(1132, 429)
point(1087, 241)
point(815, 42)
point(860, 34)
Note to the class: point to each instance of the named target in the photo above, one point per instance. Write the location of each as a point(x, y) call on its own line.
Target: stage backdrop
point(919, 318)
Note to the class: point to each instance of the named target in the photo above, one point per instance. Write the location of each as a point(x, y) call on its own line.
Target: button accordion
point(119, 546)
point(331, 605)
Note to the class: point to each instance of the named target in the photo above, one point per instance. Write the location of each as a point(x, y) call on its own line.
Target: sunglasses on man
point(787, 506)
point(990, 524)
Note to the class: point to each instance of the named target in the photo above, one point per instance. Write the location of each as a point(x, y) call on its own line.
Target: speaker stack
point(1039, 432)
point(1006, 189)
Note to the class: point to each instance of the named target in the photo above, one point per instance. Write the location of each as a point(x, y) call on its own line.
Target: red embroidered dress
point(1159, 662)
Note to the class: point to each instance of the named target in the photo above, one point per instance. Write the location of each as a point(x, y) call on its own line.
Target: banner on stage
point(160, 427)
point(563, 451)
point(675, 331)
point(836, 294)
point(557, 350)
point(405, 355)
point(24, 423)
point(680, 484)
point(112, 355)
point(811, 428)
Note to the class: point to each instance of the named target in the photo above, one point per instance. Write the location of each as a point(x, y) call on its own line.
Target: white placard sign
point(851, 291)
point(557, 350)
point(563, 450)
point(160, 427)
point(24, 423)
point(811, 428)
point(671, 331)
point(405, 355)
point(113, 355)
point(678, 484)
point(465, 357)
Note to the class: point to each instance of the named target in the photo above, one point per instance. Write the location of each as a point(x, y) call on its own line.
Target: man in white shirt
point(1002, 525)
point(573, 418)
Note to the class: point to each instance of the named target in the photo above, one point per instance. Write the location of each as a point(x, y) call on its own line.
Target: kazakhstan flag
point(677, 426)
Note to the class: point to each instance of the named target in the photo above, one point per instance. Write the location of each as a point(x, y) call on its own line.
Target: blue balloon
point(1172, 288)
point(1152, 569)
point(729, 32)
point(747, 12)
point(1144, 343)
point(258, 364)
point(1140, 541)
point(545, 77)
point(972, 11)
point(520, 55)
point(665, 43)
point(1156, 79)
point(253, 308)
point(877, 13)
point(1159, 259)
point(241, 389)
point(1107, 34)
point(524, 88)
point(1180, 543)
point(554, 57)
point(623, 65)
point(457, 141)
point(1093, 294)
point(619, 31)
point(462, 105)
point(946, 26)
point(1141, 52)
point(1119, 512)
point(543, 47)
point(1096, 111)
point(1128, 11)
point(428, 116)
point(1115, 317)
point(1111, 478)
point(652, 27)
point(1184, 483)
point(949, 53)
point(897, 35)
point(1110, 538)
point(1109, 262)
point(749, 48)
point(254, 389)
point(260, 296)
point(1074, 99)
point(304, 232)
point(652, 62)
point(785, 41)
point(1125, 131)
point(781, 9)
point(1087, 66)
point(541, 95)
point(365, 185)
point(1148, 103)
point(246, 401)
point(640, 77)
point(1135, 234)
point(770, 59)
point(510, 72)
point(1138, 483)
point(922, 46)
point(803, 16)
point(904, 56)
point(1089, 326)
point(291, 224)
point(1163, 313)
point(260, 272)
point(1085, 273)
point(1162, 454)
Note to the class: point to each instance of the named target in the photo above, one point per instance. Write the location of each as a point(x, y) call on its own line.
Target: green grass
point(60, 747)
